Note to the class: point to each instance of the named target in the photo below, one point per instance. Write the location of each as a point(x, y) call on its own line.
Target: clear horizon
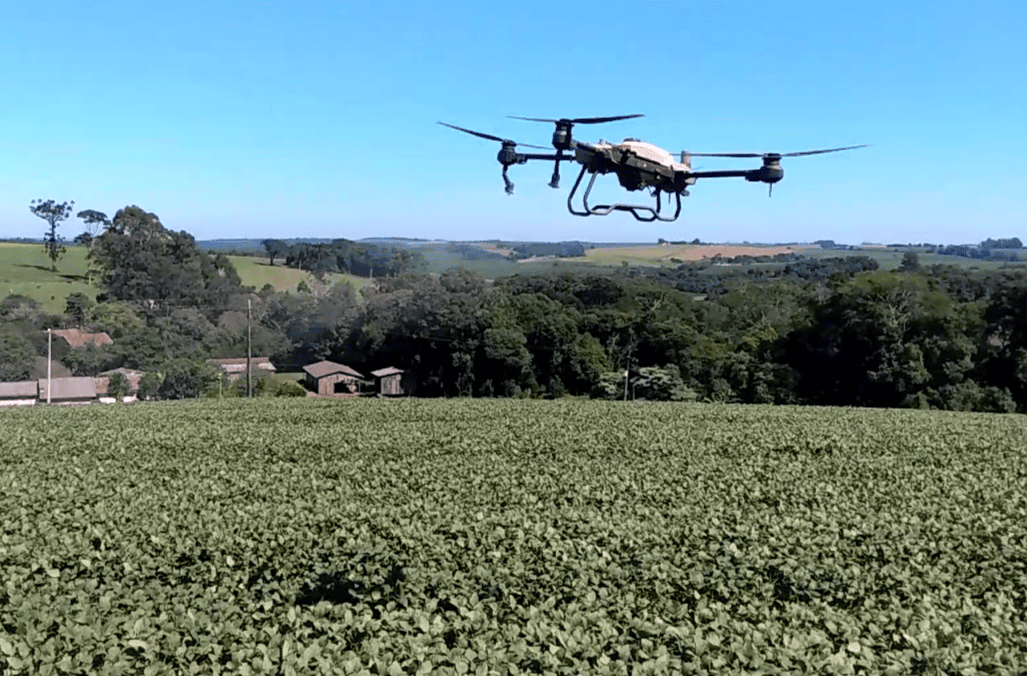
point(246, 121)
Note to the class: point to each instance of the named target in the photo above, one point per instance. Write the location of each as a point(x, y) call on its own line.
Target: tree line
point(829, 331)
point(345, 256)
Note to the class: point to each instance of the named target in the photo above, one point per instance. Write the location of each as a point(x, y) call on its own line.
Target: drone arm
point(544, 156)
point(728, 173)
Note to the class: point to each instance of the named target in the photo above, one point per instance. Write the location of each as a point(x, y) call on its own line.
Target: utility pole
point(249, 348)
point(49, 359)
point(627, 369)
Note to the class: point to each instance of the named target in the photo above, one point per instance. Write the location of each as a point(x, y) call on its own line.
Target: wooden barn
point(329, 378)
point(388, 382)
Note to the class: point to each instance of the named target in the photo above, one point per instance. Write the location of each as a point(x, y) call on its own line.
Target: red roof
point(77, 338)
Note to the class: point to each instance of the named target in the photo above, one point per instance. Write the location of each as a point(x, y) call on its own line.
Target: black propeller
point(577, 120)
point(778, 156)
point(490, 137)
point(507, 155)
point(772, 162)
point(562, 135)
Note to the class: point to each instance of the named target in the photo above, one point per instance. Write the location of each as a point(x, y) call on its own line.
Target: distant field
point(257, 272)
point(658, 254)
point(25, 269)
point(890, 259)
point(439, 260)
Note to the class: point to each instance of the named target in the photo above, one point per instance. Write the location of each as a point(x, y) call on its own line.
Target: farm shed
point(68, 390)
point(21, 393)
point(236, 366)
point(132, 376)
point(76, 338)
point(388, 382)
point(327, 377)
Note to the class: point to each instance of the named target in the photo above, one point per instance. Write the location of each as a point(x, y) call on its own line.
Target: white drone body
point(638, 165)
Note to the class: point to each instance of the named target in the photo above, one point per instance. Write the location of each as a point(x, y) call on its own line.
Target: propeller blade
point(579, 120)
point(726, 154)
point(797, 154)
point(490, 137)
point(600, 120)
point(829, 150)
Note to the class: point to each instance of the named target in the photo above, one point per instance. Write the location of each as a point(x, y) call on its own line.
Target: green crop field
point(510, 537)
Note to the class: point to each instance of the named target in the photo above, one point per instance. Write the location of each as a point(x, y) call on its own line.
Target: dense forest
point(834, 331)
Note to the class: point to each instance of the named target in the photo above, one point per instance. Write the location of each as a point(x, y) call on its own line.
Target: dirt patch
point(697, 253)
point(658, 254)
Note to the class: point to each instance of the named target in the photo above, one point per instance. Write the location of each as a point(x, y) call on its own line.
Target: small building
point(132, 377)
point(76, 338)
point(68, 390)
point(327, 378)
point(21, 393)
point(235, 367)
point(388, 382)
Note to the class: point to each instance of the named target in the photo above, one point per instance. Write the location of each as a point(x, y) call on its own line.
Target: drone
point(637, 164)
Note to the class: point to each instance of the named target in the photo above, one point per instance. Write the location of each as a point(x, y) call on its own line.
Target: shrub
point(117, 385)
point(290, 388)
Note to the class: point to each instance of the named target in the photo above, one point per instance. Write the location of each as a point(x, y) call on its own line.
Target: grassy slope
point(257, 272)
point(25, 269)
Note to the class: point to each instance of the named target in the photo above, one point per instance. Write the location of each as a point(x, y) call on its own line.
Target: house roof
point(68, 388)
point(388, 371)
point(238, 364)
point(128, 373)
point(328, 368)
point(77, 338)
point(103, 380)
point(24, 389)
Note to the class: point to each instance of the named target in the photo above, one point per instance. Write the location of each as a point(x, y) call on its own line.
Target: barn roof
point(68, 388)
point(24, 389)
point(77, 338)
point(388, 371)
point(238, 364)
point(103, 380)
point(328, 368)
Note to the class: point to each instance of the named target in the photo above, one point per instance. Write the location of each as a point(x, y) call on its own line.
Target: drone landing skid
point(641, 213)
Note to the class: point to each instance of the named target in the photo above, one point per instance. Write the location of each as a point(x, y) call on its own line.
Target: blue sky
point(274, 119)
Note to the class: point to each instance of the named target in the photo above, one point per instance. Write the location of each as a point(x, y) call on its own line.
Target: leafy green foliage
point(16, 355)
point(140, 260)
point(117, 385)
point(149, 385)
point(289, 388)
point(77, 306)
point(186, 379)
point(309, 536)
